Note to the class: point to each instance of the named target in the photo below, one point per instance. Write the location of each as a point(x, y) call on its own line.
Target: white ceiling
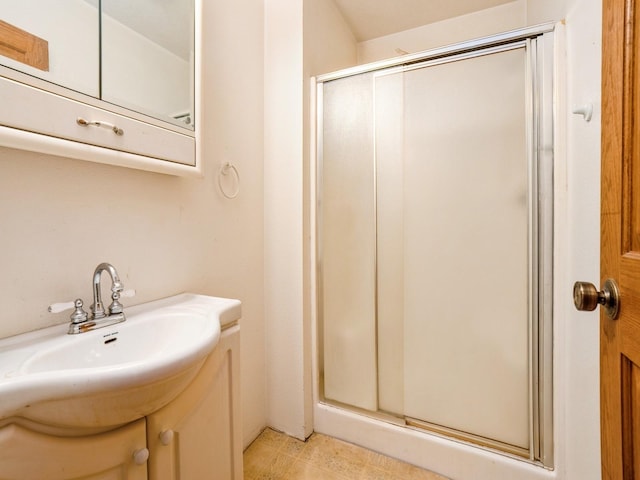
point(375, 18)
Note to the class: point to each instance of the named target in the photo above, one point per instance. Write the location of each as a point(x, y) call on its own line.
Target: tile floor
point(275, 456)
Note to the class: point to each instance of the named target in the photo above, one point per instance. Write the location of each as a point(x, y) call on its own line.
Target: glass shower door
point(348, 244)
point(453, 254)
point(435, 191)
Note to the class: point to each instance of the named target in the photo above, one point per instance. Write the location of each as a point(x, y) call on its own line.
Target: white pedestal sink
point(103, 378)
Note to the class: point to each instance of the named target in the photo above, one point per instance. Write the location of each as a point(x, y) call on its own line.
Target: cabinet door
point(29, 455)
point(197, 435)
point(64, 37)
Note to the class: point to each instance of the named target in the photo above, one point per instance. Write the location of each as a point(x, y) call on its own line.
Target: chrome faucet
point(81, 321)
point(97, 308)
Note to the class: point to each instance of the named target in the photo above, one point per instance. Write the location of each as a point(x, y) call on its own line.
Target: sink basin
point(107, 377)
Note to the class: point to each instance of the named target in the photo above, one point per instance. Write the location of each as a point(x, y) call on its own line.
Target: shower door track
point(539, 43)
point(443, 52)
point(466, 437)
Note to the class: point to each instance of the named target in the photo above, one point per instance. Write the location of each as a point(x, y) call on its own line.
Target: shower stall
point(434, 239)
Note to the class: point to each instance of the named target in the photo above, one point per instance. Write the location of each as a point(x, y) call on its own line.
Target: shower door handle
point(586, 297)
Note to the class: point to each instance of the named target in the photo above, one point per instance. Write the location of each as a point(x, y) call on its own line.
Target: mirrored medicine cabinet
point(111, 81)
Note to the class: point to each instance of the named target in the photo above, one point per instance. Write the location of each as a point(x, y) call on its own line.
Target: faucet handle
point(60, 307)
point(116, 306)
point(78, 316)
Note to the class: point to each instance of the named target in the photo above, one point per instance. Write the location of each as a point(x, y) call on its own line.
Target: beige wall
point(283, 217)
point(300, 38)
point(578, 332)
point(329, 44)
point(541, 11)
point(502, 18)
point(164, 234)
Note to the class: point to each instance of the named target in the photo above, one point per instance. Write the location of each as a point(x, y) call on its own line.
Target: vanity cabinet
point(29, 455)
point(195, 436)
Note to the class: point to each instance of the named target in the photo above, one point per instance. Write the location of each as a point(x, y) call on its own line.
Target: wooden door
point(620, 240)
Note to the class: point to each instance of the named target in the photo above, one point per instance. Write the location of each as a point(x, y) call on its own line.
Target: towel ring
point(225, 171)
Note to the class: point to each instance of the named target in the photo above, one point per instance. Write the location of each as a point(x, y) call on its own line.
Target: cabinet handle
point(166, 436)
point(86, 123)
point(141, 456)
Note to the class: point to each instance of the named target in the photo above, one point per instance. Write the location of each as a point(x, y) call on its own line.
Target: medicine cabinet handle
point(95, 123)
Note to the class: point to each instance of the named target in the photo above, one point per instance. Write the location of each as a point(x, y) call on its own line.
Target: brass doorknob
point(586, 297)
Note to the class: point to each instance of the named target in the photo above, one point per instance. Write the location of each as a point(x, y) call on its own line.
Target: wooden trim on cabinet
point(23, 46)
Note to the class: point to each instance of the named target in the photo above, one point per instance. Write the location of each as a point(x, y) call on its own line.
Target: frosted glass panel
point(465, 231)
point(389, 133)
point(430, 253)
point(347, 243)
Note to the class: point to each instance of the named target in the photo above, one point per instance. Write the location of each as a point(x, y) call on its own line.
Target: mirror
point(67, 30)
point(147, 56)
point(138, 55)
